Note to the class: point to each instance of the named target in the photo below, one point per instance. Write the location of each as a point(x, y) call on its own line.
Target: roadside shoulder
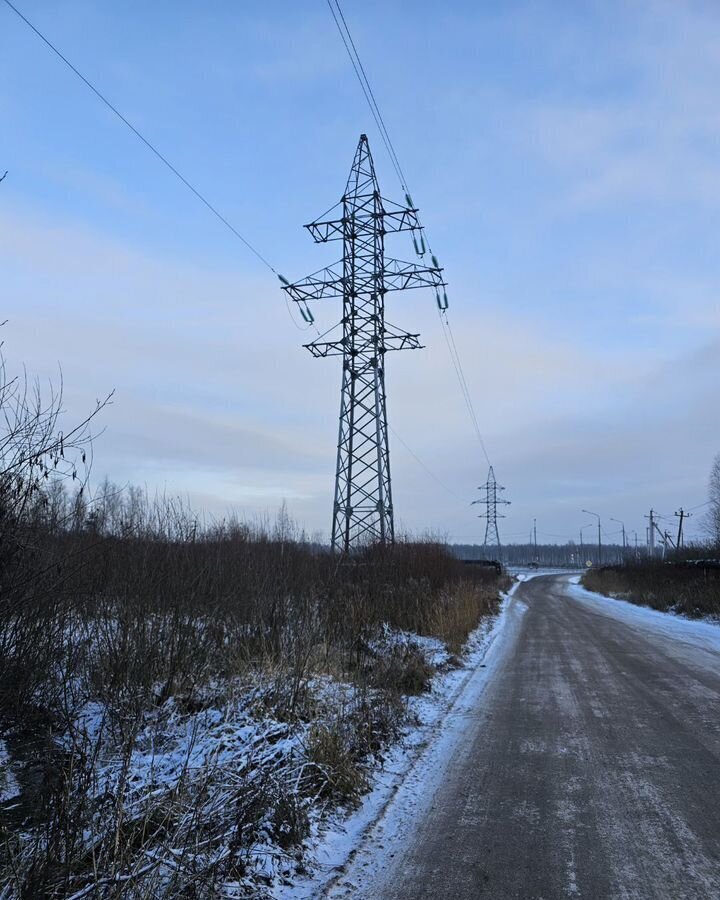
point(412, 769)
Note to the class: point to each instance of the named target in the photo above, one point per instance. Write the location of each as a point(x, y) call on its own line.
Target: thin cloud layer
point(571, 192)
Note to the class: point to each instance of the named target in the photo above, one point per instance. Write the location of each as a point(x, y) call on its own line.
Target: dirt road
point(590, 768)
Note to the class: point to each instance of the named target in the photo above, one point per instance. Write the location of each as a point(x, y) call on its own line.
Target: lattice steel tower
point(363, 508)
point(491, 491)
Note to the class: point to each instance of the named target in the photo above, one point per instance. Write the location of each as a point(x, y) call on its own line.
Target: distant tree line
point(713, 515)
point(570, 554)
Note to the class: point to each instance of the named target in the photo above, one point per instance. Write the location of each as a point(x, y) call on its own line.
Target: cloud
point(654, 140)
point(207, 406)
point(567, 160)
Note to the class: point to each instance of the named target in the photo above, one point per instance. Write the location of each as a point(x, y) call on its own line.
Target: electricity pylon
point(363, 508)
point(491, 491)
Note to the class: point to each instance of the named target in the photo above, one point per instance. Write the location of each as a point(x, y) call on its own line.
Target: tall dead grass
point(130, 605)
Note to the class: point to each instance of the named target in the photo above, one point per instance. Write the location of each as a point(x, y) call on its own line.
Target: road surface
point(589, 768)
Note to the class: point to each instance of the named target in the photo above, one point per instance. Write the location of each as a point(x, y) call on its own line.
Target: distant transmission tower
point(490, 497)
point(363, 509)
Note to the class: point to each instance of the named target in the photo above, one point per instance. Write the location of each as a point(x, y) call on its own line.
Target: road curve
point(589, 769)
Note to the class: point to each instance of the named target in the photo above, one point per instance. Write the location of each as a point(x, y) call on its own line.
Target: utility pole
point(582, 529)
point(682, 515)
point(622, 524)
point(665, 538)
point(599, 534)
point(491, 499)
point(363, 508)
point(651, 533)
point(535, 538)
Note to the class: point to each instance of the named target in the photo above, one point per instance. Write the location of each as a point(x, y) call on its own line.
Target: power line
point(145, 141)
point(379, 121)
point(367, 90)
point(461, 378)
point(455, 356)
point(423, 466)
point(364, 81)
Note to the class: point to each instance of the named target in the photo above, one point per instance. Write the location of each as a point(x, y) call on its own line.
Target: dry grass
point(140, 611)
point(462, 605)
point(176, 700)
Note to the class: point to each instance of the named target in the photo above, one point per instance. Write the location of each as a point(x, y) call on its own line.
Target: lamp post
point(599, 534)
point(582, 548)
point(622, 525)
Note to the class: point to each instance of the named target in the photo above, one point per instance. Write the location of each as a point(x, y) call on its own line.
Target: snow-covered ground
point(414, 769)
point(523, 573)
point(206, 762)
point(9, 787)
point(697, 637)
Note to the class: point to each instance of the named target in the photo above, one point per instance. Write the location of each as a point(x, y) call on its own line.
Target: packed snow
point(700, 639)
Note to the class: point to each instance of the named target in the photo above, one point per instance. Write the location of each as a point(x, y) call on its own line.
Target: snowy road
point(589, 767)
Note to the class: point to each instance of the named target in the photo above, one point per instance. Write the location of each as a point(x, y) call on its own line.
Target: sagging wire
point(304, 309)
point(421, 241)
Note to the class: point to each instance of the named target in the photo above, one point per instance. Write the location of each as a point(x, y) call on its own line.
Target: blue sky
point(566, 160)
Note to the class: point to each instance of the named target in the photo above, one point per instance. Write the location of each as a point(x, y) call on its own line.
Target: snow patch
point(699, 640)
point(9, 786)
point(413, 768)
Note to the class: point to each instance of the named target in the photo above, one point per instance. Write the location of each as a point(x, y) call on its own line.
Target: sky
point(566, 161)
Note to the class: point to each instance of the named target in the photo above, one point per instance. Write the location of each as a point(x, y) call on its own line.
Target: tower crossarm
point(330, 282)
point(331, 230)
point(320, 285)
point(403, 341)
point(390, 216)
point(400, 276)
point(397, 217)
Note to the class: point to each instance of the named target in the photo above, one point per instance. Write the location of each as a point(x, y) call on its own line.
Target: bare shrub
point(123, 616)
point(713, 514)
point(336, 771)
point(404, 669)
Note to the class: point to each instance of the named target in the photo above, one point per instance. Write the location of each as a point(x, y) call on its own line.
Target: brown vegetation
point(136, 611)
point(176, 700)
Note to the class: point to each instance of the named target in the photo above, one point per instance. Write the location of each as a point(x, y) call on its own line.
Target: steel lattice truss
point(491, 498)
point(363, 509)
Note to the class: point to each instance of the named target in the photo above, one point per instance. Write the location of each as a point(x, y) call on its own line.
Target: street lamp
point(599, 535)
point(582, 547)
point(622, 524)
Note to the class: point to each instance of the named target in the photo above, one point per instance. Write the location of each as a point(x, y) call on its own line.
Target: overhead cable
point(144, 140)
point(364, 81)
point(367, 90)
point(462, 380)
point(423, 466)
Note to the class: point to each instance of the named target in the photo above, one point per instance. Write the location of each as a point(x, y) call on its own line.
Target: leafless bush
point(120, 611)
point(713, 515)
point(37, 458)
